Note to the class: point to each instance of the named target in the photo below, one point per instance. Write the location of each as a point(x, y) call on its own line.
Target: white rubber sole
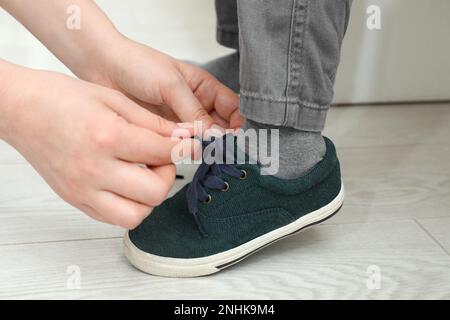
point(180, 268)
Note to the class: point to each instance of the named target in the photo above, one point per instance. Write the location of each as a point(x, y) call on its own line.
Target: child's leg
point(226, 69)
point(289, 53)
point(227, 31)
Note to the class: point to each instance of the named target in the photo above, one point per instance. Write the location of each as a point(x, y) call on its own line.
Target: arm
point(16, 92)
point(81, 50)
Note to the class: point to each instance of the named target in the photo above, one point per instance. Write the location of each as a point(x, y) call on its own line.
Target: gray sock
point(226, 70)
point(299, 151)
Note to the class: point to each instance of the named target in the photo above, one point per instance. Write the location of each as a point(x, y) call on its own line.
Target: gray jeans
point(289, 53)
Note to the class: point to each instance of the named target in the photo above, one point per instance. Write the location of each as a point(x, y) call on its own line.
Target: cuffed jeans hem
point(227, 38)
point(298, 115)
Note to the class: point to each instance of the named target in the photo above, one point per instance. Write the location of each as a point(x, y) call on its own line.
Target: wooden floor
point(395, 222)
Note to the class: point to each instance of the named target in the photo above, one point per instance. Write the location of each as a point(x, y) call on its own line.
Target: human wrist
point(10, 96)
point(96, 57)
point(23, 93)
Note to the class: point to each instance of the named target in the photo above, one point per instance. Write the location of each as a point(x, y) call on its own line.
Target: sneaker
point(229, 212)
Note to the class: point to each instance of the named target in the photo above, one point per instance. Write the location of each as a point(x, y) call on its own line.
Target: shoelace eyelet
point(226, 187)
point(243, 175)
point(208, 199)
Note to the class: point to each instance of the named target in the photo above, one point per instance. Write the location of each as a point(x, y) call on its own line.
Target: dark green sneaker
point(229, 212)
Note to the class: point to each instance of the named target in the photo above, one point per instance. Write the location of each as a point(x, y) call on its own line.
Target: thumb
point(179, 97)
point(137, 115)
point(162, 126)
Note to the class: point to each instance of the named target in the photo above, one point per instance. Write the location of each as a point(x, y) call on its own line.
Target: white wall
point(407, 60)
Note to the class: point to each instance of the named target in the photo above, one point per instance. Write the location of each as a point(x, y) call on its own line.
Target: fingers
point(212, 94)
point(219, 120)
point(135, 114)
point(176, 93)
point(162, 111)
point(166, 173)
point(144, 146)
point(132, 193)
point(223, 100)
point(140, 184)
point(120, 211)
point(92, 213)
point(236, 120)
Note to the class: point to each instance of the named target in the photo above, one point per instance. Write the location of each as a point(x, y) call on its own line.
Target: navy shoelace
point(207, 176)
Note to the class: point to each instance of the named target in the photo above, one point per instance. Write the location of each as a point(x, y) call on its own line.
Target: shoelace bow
point(208, 176)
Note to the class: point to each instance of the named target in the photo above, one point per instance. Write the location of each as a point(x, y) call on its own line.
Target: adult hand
point(171, 88)
point(86, 141)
